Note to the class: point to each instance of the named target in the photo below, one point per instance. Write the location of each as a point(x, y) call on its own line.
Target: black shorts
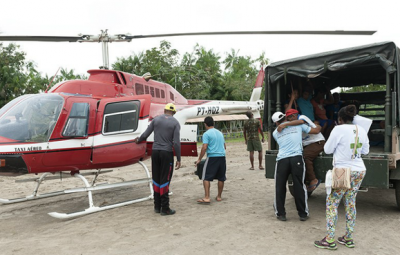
point(214, 168)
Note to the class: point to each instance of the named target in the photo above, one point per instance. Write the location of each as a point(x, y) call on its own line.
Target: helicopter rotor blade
point(127, 37)
point(326, 32)
point(40, 38)
point(104, 38)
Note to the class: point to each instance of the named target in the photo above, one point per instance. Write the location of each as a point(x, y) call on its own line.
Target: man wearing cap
point(313, 145)
point(166, 136)
point(290, 161)
point(251, 130)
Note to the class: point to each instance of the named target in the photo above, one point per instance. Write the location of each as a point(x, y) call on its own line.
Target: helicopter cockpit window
point(121, 117)
point(31, 118)
point(11, 103)
point(139, 89)
point(77, 124)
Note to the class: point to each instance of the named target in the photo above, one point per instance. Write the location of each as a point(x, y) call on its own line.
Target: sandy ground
point(243, 223)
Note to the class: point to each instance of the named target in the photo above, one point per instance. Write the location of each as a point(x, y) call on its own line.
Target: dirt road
point(243, 223)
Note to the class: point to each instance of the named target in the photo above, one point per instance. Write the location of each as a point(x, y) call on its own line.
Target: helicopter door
point(118, 122)
point(70, 142)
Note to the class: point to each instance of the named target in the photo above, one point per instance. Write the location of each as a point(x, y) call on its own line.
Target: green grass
point(233, 139)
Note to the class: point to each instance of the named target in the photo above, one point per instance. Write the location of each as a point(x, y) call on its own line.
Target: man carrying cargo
point(215, 164)
point(290, 161)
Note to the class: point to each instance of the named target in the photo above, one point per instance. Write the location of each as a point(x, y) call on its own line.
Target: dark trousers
point(162, 167)
point(310, 152)
point(295, 167)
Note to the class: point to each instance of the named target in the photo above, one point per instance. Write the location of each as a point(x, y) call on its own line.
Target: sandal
point(311, 188)
point(203, 202)
point(324, 244)
point(347, 242)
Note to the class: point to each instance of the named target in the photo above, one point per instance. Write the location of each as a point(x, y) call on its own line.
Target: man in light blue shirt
point(215, 165)
point(290, 161)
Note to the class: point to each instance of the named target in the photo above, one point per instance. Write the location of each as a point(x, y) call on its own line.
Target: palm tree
point(231, 59)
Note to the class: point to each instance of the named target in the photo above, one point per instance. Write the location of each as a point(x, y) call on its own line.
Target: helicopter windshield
point(32, 118)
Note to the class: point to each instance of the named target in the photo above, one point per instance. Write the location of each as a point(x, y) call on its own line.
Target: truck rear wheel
point(397, 191)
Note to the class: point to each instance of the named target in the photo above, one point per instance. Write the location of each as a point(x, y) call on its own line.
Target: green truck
point(375, 66)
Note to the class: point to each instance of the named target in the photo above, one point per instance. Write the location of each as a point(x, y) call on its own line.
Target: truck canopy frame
point(357, 66)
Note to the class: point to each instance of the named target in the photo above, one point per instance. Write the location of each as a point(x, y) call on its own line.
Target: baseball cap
point(291, 111)
point(277, 116)
point(170, 107)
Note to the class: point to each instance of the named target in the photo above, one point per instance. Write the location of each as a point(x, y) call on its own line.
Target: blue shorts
point(214, 168)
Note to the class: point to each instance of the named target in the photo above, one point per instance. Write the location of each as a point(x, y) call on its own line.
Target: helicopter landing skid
point(35, 194)
point(88, 188)
point(39, 181)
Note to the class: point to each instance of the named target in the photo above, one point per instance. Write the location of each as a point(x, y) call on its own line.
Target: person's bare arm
point(290, 123)
point(315, 130)
point(202, 153)
point(289, 106)
point(262, 134)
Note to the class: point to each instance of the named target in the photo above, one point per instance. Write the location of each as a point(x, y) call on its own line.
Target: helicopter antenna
point(48, 86)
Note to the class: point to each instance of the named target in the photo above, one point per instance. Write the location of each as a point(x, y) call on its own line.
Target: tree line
point(200, 74)
point(19, 76)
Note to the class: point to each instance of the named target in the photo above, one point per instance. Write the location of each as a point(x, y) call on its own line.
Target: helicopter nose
point(12, 165)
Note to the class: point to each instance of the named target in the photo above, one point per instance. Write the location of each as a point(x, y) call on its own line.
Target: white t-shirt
point(341, 143)
point(310, 138)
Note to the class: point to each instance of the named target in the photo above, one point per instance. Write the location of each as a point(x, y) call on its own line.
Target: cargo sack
point(199, 171)
point(200, 166)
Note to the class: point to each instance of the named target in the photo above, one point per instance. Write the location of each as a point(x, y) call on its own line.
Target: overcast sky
point(70, 18)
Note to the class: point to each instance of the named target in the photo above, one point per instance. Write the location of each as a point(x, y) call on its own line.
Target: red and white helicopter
point(91, 124)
